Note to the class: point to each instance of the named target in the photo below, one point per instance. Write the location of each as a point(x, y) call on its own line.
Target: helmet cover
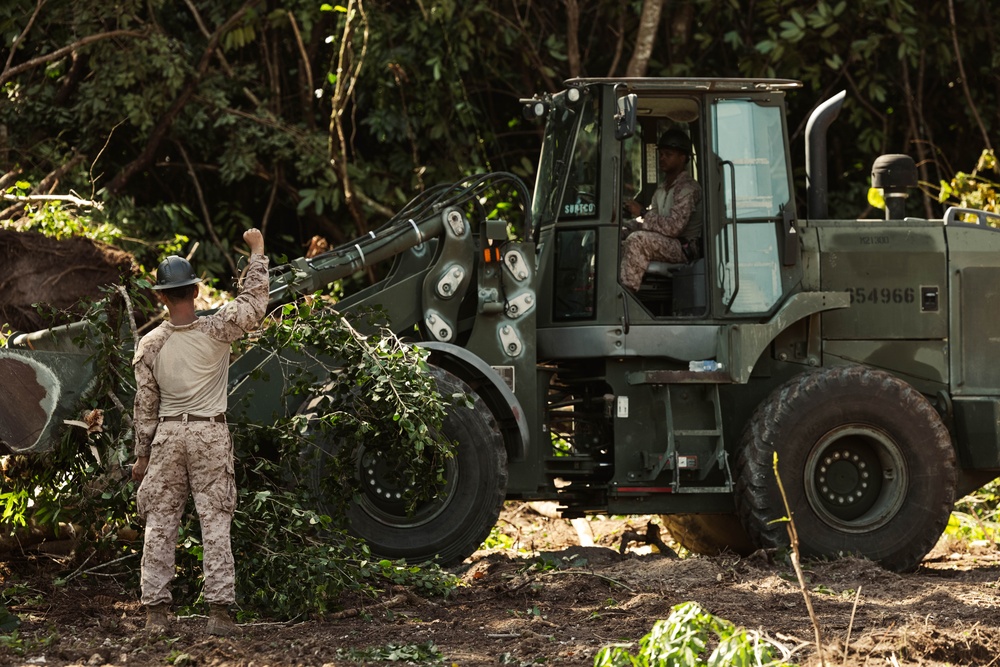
point(676, 139)
point(173, 272)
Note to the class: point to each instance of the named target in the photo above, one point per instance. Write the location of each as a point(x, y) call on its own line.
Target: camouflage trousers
point(188, 458)
point(642, 247)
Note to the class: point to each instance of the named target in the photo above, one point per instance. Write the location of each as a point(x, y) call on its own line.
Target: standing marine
point(182, 442)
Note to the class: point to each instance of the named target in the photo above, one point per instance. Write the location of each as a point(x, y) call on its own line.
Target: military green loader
point(859, 357)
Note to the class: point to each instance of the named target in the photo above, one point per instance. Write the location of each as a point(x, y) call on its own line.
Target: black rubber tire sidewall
point(802, 413)
point(477, 491)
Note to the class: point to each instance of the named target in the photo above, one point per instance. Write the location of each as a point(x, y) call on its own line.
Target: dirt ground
point(546, 600)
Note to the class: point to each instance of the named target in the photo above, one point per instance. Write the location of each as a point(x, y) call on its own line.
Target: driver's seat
point(684, 283)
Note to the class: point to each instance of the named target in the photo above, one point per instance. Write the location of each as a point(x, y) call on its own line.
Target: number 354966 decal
point(882, 295)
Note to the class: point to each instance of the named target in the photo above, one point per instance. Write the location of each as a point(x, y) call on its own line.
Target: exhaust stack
point(816, 168)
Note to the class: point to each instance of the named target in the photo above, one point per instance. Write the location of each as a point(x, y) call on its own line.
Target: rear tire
point(866, 463)
point(448, 528)
point(708, 534)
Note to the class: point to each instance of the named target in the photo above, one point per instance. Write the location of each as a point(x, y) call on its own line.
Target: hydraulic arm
point(435, 214)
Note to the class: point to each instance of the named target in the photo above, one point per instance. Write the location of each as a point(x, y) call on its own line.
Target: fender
point(504, 405)
point(748, 340)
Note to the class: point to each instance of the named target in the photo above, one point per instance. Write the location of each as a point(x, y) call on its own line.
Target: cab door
point(751, 204)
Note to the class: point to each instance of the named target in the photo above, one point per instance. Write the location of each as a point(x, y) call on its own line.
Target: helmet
point(175, 271)
point(676, 139)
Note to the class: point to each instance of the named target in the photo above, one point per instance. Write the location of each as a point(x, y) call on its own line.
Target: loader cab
point(595, 157)
point(739, 159)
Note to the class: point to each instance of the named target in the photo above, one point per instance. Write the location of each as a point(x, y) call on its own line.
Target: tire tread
point(758, 507)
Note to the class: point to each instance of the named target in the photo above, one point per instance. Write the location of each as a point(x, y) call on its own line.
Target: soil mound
point(59, 273)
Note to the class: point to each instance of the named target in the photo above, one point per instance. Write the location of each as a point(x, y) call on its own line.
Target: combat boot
point(219, 622)
point(157, 620)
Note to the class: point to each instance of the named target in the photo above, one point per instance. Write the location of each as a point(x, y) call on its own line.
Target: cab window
point(749, 148)
point(580, 195)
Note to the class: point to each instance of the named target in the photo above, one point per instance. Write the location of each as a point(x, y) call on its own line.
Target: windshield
point(557, 156)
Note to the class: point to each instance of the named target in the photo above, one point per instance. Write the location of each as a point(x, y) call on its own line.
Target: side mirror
point(625, 117)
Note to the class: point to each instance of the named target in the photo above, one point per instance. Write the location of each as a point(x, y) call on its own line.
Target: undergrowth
point(683, 639)
point(293, 560)
point(976, 518)
point(974, 190)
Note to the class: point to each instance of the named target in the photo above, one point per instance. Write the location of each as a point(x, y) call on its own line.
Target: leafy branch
point(293, 557)
point(10, 72)
point(359, 392)
point(974, 190)
point(684, 637)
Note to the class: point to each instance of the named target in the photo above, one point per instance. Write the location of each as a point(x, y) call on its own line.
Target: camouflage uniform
point(193, 457)
point(672, 218)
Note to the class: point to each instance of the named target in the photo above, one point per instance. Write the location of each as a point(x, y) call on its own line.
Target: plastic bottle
point(700, 366)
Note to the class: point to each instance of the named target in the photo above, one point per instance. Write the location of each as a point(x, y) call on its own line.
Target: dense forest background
point(200, 117)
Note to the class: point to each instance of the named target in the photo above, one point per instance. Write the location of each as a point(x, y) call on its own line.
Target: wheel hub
point(381, 485)
point(855, 478)
point(384, 495)
point(844, 477)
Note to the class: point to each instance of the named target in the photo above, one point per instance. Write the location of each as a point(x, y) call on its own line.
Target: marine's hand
point(631, 225)
point(255, 240)
point(634, 208)
point(139, 469)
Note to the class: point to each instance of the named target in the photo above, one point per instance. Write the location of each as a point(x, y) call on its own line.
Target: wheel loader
point(856, 383)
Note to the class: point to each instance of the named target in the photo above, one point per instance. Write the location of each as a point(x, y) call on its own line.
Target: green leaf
point(8, 621)
point(765, 46)
point(791, 31)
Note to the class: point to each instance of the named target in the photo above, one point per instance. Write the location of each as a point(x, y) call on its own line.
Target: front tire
point(453, 525)
point(866, 463)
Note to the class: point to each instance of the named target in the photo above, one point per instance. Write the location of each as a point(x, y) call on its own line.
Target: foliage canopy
point(321, 118)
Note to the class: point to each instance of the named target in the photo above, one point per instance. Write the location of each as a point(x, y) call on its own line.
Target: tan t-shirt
point(185, 369)
point(191, 370)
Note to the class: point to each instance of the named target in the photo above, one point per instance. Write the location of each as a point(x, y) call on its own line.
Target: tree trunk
point(573, 38)
point(649, 22)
